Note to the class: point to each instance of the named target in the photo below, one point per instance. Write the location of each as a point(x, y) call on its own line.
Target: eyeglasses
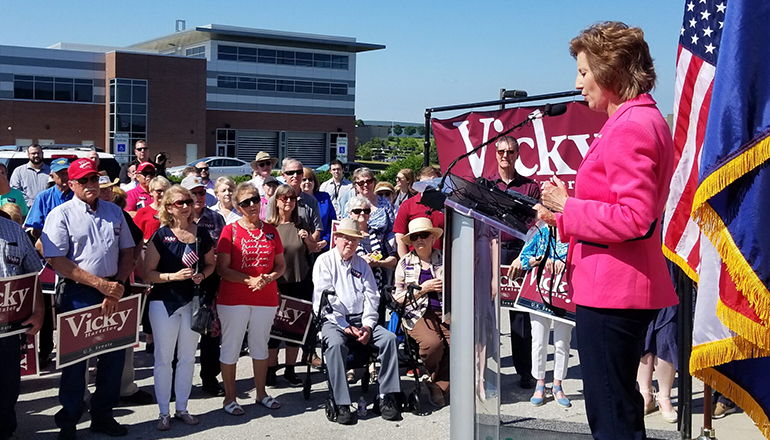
point(419, 235)
point(148, 173)
point(385, 193)
point(400, 178)
point(287, 199)
point(504, 152)
point(307, 179)
point(368, 181)
point(292, 172)
point(84, 180)
point(182, 203)
point(359, 211)
point(265, 163)
point(250, 201)
point(202, 169)
point(141, 149)
point(199, 193)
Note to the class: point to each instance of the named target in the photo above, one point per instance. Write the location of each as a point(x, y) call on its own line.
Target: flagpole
point(707, 432)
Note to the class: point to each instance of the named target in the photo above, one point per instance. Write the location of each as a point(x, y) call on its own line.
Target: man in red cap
point(140, 196)
point(93, 269)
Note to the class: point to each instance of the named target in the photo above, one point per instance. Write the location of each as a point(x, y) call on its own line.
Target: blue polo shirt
point(45, 202)
point(90, 238)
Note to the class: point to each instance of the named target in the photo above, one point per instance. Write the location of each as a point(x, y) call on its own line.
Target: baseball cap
point(144, 165)
point(81, 168)
point(270, 179)
point(59, 164)
point(192, 182)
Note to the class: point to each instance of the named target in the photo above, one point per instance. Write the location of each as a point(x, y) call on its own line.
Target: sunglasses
point(307, 179)
point(368, 181)
point(141, 149)
point(148, 173)
point(256, 200)
point(199, 193)
point(159, 191)
point(419, 235)
point(292, 172)
point(504, 152)
point(182, 203)
point(358, 211)
point(287, 199)
point(84, 180)
point(202, 169)
point(265, 163)
point(385, 193)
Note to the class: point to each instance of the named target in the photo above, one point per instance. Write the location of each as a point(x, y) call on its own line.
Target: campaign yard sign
point(522, 294)
point(29, 364)
point(292, 320)
point(17, 300)
point(86, 333)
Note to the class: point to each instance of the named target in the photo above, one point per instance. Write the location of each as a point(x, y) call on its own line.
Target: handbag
point(204, 316)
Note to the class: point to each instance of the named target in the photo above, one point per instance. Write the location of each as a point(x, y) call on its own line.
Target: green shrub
point(415, 162)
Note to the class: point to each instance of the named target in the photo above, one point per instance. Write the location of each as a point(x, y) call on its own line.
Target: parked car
point(218, 166)
point(13, 156)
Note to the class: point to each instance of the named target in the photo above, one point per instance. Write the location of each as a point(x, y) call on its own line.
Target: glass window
point(320, 88)
point(24, 77)
point(286, 57)
point(266, 56)
point(247, 54)
point(304, 59)
point(322, 60)
point(123, 81)
point(340, 62)
point(84, 92)
point(266, 85)
point(63, 91)
point(23, 89)
point(283, 85)
point(221, 134)
point(214, 163)
point(230, 163)
point(303, 87)
point(112, 123)
point(124, 93)
point(339, 89)
point(246, 83)
point(139, 94)
point(231, 135)
point(227, 82)
point(227, 53)
point(139, 109)
point(84, 81)
point(43, 90)
point(124, 108)
point(123, 122)
point(138, 123)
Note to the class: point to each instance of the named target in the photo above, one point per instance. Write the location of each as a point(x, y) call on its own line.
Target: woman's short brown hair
point(618, 56)
point(166, 219)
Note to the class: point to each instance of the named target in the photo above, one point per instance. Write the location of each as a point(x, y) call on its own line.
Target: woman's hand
point(545, 215)
point(254, 283)
point(515, 270)
point(554, 195)
point(432, 285)
point(303, 234)
point(198, 278)
point(535, 261)
point(555, 266)
point(184, 274)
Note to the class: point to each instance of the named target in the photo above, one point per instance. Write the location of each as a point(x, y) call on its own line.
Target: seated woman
point(249, 259)
point(174, 276)
point(532, 256)
point(423, 266)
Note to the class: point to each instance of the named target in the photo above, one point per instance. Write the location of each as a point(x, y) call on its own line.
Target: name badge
point(355, 273)
point(12, 259)
point(169, 239)
point(270, 236)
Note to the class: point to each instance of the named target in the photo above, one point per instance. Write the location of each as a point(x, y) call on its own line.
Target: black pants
point(10, 379)
point(46, 331)
point(610, 343)
point(521, 344)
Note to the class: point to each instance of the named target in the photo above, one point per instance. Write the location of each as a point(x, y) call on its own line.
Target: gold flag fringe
point(742, 274)
point(748, 329)
point(681, 262)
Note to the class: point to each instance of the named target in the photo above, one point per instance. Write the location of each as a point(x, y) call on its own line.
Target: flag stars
point(694, 39)
point(705, 15)
point(707, 32)
point(690, 6)
point(721, 23)
point(692, 23)
point(702, 1)
point(721, 7)
point(682, 32)
point(710, 48)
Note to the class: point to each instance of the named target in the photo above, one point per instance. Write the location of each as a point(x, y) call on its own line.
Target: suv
point(13, 156)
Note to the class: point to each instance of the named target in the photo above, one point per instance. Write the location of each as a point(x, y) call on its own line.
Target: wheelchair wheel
point(415, 406)
point(331, 409)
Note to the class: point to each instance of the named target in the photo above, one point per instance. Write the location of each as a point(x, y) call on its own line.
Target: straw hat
point(263, 156)
point(104, 180)
point(386, 186)
point(420, 224)
point(349, 228)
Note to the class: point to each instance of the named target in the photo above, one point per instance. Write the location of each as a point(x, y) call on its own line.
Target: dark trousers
point(10, 379)
point(46, 331)
point(521, 344)
point(109, 368)
point(210, 367)
point(610, 343)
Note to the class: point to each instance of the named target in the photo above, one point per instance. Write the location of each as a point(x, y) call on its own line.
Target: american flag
point(190, 257)
point(699, 40)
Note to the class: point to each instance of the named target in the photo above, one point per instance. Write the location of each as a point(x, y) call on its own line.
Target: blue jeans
point(10, 378)
point(109, 368)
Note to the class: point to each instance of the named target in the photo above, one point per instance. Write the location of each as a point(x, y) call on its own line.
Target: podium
point(472, 277)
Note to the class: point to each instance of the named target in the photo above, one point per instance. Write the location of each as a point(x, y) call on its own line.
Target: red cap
point(81, 168)
point(144, 165)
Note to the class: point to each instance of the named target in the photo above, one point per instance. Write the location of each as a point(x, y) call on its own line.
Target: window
point(322, 60)
point(128, 108)
point(320, 88)
point(340, 62)
point(227, 82)
point(339, 89)
point(43, 88)
point(303, 87)
point(285, 57)
point(304, 59)
point(268, 85)
point(246, 83)
point(196, 52)
point(247, 54)
point(282, 85)
point(227, 53)
point(46, 88)
point(271, 56)
point(266, 56)
point(231, 163)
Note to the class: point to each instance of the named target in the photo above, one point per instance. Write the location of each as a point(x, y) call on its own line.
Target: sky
point(438, 53)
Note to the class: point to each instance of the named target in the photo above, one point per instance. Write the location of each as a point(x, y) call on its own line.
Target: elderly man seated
point(353, 316)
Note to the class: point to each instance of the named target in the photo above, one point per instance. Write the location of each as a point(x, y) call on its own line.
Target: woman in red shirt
point(147, 218)
point(249, 259)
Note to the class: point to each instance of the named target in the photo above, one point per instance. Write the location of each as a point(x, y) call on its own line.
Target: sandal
point(564, 401)
point(186, 418)
point(668, 416)
point(538, 401)
point(233, 409)
point(164, 422)
point(269, 402)
point(649, 407)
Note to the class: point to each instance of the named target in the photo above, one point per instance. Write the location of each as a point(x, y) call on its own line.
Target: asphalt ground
point(301, 419)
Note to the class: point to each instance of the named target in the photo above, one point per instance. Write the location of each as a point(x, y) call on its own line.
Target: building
point(211, 90)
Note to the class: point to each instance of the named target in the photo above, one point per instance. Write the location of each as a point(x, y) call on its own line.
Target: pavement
point(301, 419)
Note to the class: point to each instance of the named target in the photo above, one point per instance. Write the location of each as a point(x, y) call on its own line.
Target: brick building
point(209, 91)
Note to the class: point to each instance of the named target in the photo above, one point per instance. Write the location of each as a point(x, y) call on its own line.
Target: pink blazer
point(613, 221)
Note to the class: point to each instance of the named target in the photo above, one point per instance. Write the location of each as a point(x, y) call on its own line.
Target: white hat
point(192, 182)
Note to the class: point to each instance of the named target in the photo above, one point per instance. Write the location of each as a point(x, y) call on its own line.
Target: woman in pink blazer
point(617, 270)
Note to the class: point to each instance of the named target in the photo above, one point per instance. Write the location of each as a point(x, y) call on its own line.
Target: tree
point(365, 151)
point(397, 130)
point(360, 123)
point(410, 130)
point(420, 130)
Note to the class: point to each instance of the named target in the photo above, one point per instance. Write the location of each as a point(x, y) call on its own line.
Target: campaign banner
point(292, 320)
point(522, 294)
point(29, 364)
point(548, 146)
point(17, 300)
point(86, 333)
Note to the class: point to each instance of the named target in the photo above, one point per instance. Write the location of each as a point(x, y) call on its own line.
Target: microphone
point(555, 110)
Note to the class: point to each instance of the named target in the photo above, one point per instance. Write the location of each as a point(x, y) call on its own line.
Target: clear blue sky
point(438, 53)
